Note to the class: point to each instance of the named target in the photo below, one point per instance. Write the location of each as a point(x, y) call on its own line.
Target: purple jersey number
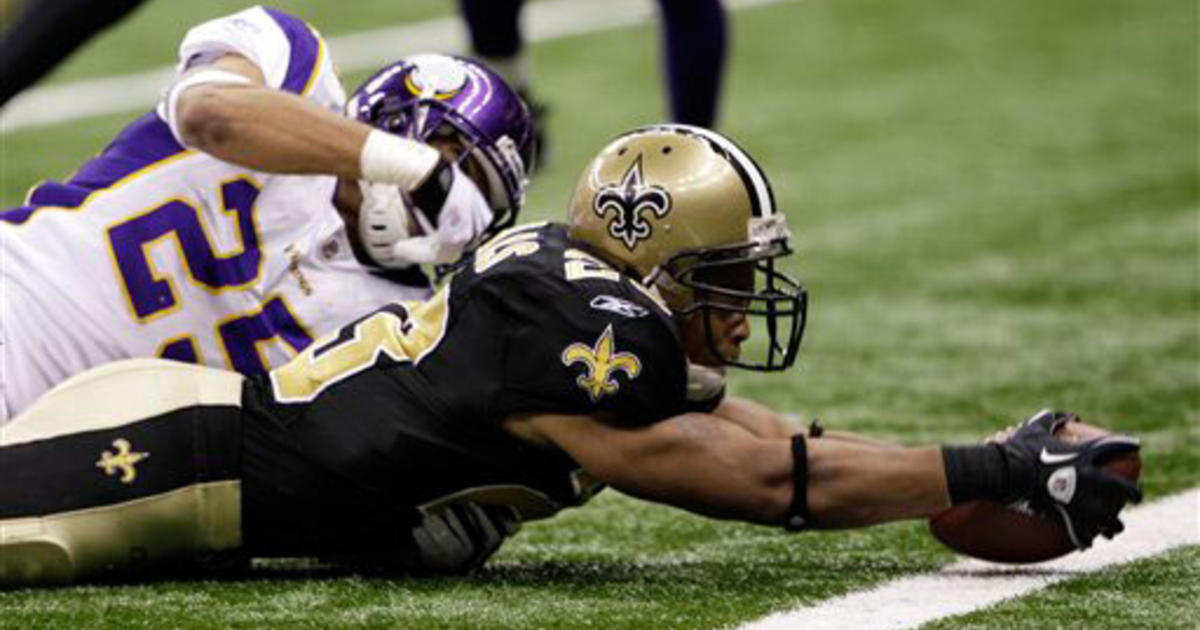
point(152, 296)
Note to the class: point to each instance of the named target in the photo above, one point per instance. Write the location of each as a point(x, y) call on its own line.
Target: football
point(1009, 533)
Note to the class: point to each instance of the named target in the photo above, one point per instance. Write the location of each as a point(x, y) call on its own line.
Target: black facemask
point(742, 279)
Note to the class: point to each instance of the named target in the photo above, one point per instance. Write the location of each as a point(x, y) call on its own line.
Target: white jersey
point(152, 249)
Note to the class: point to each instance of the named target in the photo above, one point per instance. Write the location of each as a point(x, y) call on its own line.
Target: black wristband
point(797, 518)
point(976, 472)
point(430, 196)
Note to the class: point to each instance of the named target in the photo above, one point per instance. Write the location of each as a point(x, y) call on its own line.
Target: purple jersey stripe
point(144, 142)
point(18, 215)
point(58, 194)
point(306, 51)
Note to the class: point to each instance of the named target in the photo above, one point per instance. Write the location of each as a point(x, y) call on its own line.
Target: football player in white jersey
point(248, 215)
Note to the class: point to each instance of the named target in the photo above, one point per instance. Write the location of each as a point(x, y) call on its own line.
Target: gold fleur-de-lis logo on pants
point(601, 363)
point(123, 460)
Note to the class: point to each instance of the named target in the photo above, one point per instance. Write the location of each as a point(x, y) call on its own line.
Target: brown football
point(1001, 533)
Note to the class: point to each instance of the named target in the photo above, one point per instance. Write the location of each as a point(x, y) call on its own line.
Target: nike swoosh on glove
point(1068, 479)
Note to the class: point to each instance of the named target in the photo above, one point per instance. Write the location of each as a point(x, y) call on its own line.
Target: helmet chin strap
point(704, 382)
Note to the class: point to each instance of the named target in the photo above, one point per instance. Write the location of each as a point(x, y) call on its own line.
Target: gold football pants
point(119, 470)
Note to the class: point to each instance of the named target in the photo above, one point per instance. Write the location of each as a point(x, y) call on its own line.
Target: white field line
point(971, 584)
point(543, 21)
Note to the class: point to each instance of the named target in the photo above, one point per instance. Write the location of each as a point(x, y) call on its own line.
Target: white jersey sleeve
point(291, 54)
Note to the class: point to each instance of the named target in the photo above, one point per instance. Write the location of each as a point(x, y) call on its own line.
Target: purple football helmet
point(431, 95)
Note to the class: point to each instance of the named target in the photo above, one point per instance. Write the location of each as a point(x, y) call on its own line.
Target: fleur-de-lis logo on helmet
point(601, 363)
point(628, 200)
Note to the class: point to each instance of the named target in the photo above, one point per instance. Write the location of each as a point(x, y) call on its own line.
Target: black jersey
point(406, 403)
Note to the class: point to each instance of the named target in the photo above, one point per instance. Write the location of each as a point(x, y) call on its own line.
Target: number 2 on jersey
point(151, 295)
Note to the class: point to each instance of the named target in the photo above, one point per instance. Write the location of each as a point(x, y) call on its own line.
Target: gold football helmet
point(685, 210)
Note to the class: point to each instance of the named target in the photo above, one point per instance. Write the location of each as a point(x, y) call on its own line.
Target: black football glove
point(1066, 479)
point(459, 537)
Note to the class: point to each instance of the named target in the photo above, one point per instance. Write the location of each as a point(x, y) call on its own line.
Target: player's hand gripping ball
point(1018, 533)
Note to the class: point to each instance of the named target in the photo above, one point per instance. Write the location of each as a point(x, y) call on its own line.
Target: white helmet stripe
point(764, 200)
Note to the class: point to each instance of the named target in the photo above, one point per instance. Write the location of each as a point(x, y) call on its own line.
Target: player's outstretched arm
point(854, 482)
point(766, 422)
point(756, 418)
point(709, 465)
point(251, 125)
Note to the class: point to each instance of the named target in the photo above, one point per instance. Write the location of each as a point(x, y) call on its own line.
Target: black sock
point(694, 32)
point(494, 26)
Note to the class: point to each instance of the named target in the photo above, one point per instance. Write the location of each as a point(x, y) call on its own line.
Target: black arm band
point(431, 195)
point(797, 518)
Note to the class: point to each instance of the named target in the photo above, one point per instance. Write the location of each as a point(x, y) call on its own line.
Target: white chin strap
point(398, 235)
point(704, 382)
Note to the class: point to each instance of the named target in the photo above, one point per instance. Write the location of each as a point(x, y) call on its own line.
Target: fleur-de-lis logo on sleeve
point(629, 200)
point(601, 362)
point(123, 460)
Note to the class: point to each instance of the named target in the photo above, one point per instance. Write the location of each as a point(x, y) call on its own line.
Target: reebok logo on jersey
point(618, 305)
point(601, 362)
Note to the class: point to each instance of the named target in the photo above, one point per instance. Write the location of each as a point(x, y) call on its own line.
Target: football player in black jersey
point(559, 359)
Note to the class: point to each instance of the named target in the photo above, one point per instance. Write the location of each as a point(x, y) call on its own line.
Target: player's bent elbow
point(204, 118)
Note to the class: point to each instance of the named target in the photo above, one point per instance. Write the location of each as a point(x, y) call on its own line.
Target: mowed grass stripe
point(971, 584)
point(994, 205)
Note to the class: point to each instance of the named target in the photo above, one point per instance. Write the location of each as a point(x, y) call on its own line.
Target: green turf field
point(995, 206)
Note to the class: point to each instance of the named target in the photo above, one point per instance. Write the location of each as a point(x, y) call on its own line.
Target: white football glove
point(396, 233)
point(463, 216)
point(383, 220)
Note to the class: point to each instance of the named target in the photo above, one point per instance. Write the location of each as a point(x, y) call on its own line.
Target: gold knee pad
point(119, 536)
point(122, 538)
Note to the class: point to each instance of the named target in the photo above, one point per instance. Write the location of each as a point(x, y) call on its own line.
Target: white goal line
point(969, 585)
